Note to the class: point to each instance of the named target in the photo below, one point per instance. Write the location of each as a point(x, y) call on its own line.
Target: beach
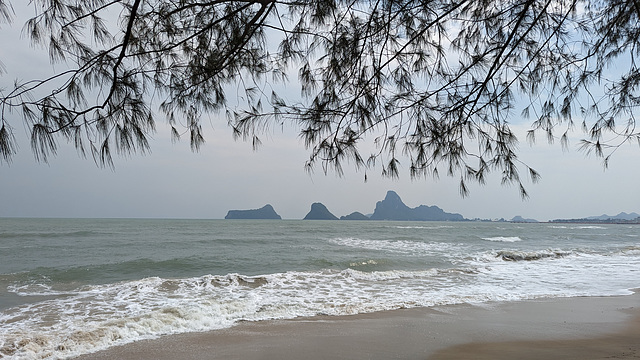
point(218, 289)
point(563, 328)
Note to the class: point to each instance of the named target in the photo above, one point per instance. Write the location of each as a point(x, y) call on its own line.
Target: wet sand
point(574, 328)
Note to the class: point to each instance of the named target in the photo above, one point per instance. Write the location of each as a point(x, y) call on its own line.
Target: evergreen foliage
point(433, 81)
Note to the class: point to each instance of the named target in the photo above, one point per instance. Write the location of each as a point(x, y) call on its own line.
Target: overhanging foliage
point(436, 82)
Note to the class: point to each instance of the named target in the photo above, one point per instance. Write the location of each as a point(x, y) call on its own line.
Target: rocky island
point(355, 216)
point(266, 212)
point(392, 208)
point(319, 212)
point(520, 219)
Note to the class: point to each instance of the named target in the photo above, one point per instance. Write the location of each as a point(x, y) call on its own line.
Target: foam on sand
point(608, 326)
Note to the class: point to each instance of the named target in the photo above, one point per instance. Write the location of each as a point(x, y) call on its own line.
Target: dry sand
point(575, 328)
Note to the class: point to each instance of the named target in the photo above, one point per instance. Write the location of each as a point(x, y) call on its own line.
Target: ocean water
point(76, 286)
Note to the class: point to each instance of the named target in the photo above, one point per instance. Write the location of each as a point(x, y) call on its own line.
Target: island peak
point(266, 212)
point(392, 208)
point(319, 212)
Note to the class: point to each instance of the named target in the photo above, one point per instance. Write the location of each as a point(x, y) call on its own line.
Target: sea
point(76, 286)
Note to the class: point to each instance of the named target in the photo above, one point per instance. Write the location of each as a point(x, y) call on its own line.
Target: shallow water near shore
point(75, 286)
point(552, 329)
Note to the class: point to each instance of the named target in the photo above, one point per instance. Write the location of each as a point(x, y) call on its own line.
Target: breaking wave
point(503, 239)
point(530, 256)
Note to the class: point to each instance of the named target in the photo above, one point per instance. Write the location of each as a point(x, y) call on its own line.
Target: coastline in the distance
point(394, 209)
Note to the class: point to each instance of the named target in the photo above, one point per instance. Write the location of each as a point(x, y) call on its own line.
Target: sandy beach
point(567, 328)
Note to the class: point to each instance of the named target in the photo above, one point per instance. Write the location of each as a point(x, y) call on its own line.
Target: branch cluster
point(435, 81)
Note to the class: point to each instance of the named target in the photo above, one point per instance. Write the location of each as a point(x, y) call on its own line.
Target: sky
point(173, 182)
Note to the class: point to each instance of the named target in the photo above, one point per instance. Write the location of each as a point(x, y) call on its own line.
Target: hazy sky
point(173, 182)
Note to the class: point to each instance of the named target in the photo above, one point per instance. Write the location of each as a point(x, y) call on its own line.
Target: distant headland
point(621, 218)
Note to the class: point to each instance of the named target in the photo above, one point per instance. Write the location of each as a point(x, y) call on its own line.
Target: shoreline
point(559, 328)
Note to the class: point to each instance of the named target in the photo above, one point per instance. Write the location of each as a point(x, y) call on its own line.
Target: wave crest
point(507, 255)
point(503, 239)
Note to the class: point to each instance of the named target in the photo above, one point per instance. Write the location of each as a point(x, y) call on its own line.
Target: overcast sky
point(173, 182)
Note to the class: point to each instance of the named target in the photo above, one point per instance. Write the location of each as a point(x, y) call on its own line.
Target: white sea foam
point(503, 239)
point(363, 263)
point(97, 317)
point(399, 246)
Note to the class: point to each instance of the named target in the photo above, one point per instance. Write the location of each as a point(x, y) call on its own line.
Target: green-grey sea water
point(74, 286)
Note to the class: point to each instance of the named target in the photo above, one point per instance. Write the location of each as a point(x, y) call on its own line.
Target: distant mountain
point(355, 216)
point(265, 212)
point(621, 216)
point(319, 212)
point(520, 219)
point(392, 208)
